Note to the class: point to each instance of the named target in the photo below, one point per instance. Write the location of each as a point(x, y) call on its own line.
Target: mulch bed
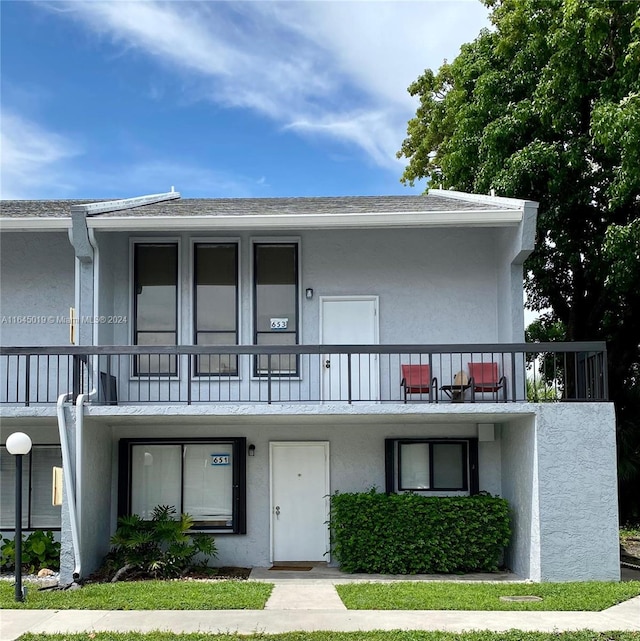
point(104, 575)
point(630, 551)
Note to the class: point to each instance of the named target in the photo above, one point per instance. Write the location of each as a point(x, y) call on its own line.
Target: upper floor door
point(349, 320)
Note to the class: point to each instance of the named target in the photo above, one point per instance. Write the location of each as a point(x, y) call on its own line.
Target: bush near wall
point(408, 534)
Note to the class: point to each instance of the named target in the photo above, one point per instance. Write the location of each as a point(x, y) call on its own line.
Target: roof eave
point(35, 224)
point(462, 218)
point(515, 203)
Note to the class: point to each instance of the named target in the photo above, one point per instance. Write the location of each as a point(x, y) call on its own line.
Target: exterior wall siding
point(36, 288)
point(435, 285)
point(578, 492)
point(555, 463)
point(357, 463)
point(519, 487)
point(96, 502)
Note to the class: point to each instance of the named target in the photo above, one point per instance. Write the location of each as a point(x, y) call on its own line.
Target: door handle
point(327, 363)
point(277, 511)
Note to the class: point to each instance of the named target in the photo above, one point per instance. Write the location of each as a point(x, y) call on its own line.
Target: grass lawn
point(394, 635)
point(593, 596)
point(145, 595)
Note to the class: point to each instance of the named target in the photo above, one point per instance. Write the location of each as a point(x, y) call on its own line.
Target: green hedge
point(409, 534)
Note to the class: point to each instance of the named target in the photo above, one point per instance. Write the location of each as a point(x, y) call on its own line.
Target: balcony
point(127, 375)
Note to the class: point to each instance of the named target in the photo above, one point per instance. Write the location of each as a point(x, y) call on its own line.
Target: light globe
point(18, 443)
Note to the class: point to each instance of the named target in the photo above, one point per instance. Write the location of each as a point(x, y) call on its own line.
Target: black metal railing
point(118, 375)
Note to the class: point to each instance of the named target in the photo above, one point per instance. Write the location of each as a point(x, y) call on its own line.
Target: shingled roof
point(169, 211)
point(254, 206)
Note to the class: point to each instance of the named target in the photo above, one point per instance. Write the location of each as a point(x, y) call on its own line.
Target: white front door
point(349, 320)
point(299, 501)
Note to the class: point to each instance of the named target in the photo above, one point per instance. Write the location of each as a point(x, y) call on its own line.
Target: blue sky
point(219, 99)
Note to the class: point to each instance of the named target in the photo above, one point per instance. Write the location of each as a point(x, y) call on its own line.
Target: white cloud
point(37, 163)
point(32, 159)
point(371, 131)
point(335, 69)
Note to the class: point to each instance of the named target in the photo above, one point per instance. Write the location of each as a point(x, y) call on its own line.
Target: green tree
point(546, 106)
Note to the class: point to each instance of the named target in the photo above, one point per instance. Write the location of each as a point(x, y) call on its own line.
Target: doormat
point(292, 568)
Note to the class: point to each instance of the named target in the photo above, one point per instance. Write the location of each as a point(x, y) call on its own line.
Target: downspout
point(69, 485)
point(81, 397)
point(96, 283)
point(79, 444)
point(84, 251)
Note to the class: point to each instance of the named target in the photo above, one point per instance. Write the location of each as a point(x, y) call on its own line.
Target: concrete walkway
point(308, 601)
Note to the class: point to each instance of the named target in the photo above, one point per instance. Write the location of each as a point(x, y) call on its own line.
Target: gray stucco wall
point(112, 264)
point(67, 553)
point(519, 487)
point(96, 502)
point(435, 285)
point(43, 432)
point(357, 464)
point(559, 475)
point(576, 451)
point(36, 282)
point(555, 464)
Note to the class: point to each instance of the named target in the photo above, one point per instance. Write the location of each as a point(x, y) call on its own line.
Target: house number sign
point(279, 323)
point(220, 459)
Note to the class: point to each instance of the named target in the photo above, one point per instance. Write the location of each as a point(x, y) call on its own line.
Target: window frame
point(393, 481)
point(295, 241)
point(194, 300)
point(239, 479)
point(133, 304)
point(29, 491)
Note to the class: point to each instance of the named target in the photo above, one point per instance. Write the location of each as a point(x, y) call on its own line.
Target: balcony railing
point(123, 375)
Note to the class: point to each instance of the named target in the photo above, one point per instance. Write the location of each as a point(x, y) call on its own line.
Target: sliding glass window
point(275, 304)
point(156, 305)
point(203, 478)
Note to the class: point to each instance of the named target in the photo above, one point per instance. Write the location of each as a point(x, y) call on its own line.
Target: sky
point(218, 99)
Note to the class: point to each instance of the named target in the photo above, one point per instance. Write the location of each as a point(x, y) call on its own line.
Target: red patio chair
point(416, 379)
point(483, 377)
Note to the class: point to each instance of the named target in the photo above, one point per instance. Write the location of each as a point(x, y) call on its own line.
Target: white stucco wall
point(37, 282)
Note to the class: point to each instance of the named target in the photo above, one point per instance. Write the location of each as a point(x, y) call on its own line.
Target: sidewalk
point(308, 601)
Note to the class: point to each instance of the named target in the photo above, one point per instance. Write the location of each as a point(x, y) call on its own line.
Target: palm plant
point(163, 547)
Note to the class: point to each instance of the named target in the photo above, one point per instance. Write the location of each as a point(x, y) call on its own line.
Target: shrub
point(539, 391)
point(39, 550)
point(408, 533)
point(163, 547)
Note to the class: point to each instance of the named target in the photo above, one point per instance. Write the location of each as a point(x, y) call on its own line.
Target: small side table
point(456, 392)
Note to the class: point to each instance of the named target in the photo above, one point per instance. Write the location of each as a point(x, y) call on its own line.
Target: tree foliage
point(545, 106)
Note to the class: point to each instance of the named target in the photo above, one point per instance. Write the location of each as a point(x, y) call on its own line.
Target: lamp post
point(18, 444)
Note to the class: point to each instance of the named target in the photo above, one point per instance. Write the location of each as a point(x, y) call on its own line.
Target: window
point(155, 268)
point(215, 275)
point(203, 478)
point(275, 304)
point(37, 510)
point(432, 465)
